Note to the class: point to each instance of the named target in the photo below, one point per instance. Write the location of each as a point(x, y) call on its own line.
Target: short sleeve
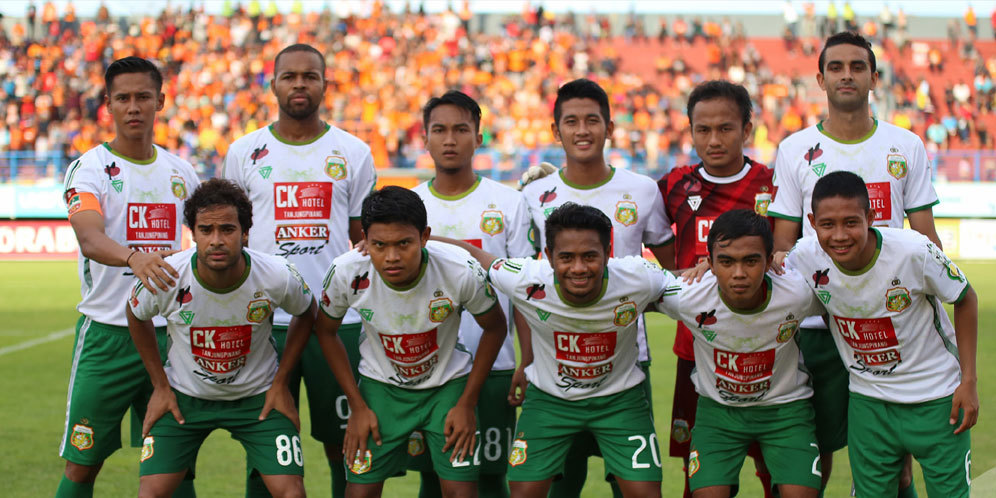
point(941, 277)
point(297, 295)
point(84, 177)
point(232, 170)
point(918, 191)
point(363, 182)
point(517, 244)
point(334, 302)
point(505, 274)
point(658, 231)
point(143, 303)
point(669, 301)
point(477, 296)
point(788, 194)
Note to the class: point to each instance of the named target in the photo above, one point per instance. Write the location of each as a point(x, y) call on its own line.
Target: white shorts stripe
point(72, 378)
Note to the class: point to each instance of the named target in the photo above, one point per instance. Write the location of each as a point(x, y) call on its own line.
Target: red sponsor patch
point(879, 357)
point(880, 197)
point(220, 349)
point(409, 348)
point(743, 389)
point(744, 367)
point(585, 371)
point(585, 348)
point(867, 334)
point(702, 226)
point(302, 200)
point(306, 231)
point(151, 221)
point(474, 242)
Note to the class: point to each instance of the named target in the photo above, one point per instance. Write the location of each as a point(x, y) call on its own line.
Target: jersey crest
point(626, 212)
point(625, 313)
point(812, 154)
point(761, 203)
point(335, 166)
point(112, 171)
point(440, 309)
point(179, 187)
point(897, 165)
point(897, 299)
point(492, 222)
point(416, 444)
point(680, 432)
point(258, 310)
point(518, 454)
point(148, 448)
point(82, 437)
point(786, 330)
point(361, 466)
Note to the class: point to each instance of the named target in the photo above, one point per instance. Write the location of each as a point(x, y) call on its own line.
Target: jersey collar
point(421, 272)
point(767, 287)
point(273, 131)
point(612, 173)
point(605, 285)
point(862, 271)
point(456, 197)
point(819, 126)
point(155, 154)
point(722, 180)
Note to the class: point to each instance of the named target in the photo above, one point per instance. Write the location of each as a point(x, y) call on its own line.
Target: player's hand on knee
point(362, 425)
point(460, 430)
point(966, 400)
point(163, 400)
point(517, 392)
point(153, 270)
point(279, 398)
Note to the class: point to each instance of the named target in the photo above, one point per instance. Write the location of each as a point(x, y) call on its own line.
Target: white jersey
point(746, 357)
point(142, 205)
point(632, 201)
point(892, 162)
point(887, 319)
point(493, 217)
point(410, 335)
point(303, 196)
point(582, 351)
point(220, 343)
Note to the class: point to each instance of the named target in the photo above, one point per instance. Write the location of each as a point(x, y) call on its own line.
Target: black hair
point(393, 204)
point(847, 38)
point(581, 217)
point(299, 47)
point(455, 98)
point(132, 65)
point(218, 192)
point(841, 184)
point(581, 89)
point(737, 223)
point(719, 89)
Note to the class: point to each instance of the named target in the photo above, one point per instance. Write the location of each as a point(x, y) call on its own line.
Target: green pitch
point(37, 305)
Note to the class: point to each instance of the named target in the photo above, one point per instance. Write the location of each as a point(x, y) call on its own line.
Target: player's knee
point(458, 489)
point(354, 490)
point(292, 488)
point(529, 489)
point(81, 473)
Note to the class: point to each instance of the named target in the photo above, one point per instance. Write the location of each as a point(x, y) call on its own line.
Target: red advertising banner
point(26, 240)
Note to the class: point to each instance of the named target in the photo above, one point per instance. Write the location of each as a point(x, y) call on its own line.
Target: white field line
point(54, 336)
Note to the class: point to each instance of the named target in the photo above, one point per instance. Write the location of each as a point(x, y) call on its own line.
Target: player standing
point(632, 201)
point(414, 372)
point(460, 204)
point(719, 113)
point(306, 180)
point(893, 163)
point(125, 200)
point(912, 375)
point(222, 370)
point(754, 389)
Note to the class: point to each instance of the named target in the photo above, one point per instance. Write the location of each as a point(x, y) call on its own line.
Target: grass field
point(37, 302)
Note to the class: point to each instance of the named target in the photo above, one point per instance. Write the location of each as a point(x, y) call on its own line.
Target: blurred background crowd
point(383, 65)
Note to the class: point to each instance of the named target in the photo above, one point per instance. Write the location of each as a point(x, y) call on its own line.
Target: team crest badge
point(953, 272)
point(179, 187)
point(626, 212)
point(361, 466)
point(786, 330)
point(259, 309)
point(518, 454)
point(693, 463)
point(335, 167)
point(761, 203)
point(416, 444)
point(439, 309)
point(82, 437)
point(680, 432)
point(625, 313)
point(897, 299)
point(897, 165)
point(492, 222)
point(148, 448)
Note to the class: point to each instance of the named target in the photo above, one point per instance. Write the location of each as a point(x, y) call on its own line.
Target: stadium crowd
point(383, 65)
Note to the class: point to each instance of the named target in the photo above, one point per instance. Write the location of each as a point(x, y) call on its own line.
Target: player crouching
point(222, 370)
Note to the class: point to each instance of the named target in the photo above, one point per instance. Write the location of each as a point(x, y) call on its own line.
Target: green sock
point(71, 489)
point(338, 479)
point(909, 491)
point(492, 486)
point(185, 490)
point(429, 486)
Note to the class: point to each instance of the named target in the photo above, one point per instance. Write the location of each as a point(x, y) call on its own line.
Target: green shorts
point(881, 433)
point(496, 421)
point(106, 378)
point(327, 407)
point(400, 412)
point(621, 424)
point(830, 387)
point(722, 434)
point(273, 446)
